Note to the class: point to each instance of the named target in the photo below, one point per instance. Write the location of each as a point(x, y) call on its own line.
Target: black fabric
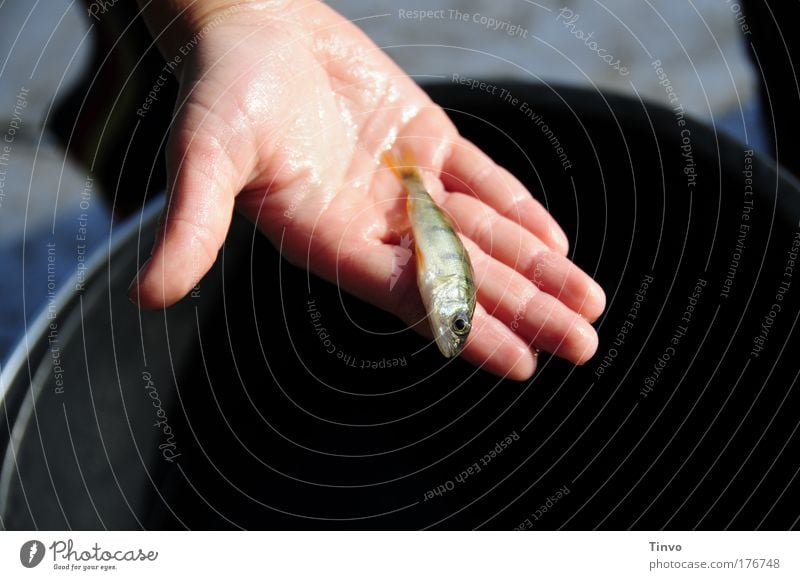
point(774, 48)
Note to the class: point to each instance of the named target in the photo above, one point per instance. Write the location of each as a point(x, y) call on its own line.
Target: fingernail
point(133, 292)
point(597, 297)
point(588, 338)
point(559, 237)
point(133, 289)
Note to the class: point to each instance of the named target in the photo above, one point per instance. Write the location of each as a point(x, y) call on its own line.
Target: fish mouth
point(448, 346)
point(450, 328)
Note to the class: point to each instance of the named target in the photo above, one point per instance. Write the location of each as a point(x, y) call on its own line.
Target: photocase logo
point(31, 553)
point(402, 254)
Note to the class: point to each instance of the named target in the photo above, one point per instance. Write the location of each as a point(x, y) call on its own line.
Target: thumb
point(202, 184)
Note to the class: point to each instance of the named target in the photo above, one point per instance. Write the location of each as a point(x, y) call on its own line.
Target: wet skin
point(283, 113)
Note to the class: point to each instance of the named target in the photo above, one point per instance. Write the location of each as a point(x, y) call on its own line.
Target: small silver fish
point(444, 271)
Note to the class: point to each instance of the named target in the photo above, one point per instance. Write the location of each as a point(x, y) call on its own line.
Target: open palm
point(284, 116)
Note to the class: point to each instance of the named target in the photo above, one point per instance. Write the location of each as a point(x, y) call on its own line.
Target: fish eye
point(460, 324)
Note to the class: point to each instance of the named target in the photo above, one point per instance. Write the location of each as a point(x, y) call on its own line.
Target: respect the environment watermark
point(183, 51)
point(506, 96)
point(53, 341)
point(743, 231)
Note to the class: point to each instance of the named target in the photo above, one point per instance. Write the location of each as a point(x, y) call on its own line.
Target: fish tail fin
point(405, 167)
point(407, 172)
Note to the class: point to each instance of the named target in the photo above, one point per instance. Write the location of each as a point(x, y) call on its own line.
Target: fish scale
point(444, 271)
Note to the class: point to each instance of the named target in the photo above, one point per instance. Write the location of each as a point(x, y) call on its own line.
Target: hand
point(283, 114)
